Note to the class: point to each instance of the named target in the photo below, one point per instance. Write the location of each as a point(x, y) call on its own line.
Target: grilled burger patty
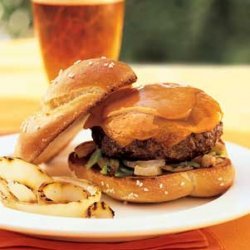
point(192, 146)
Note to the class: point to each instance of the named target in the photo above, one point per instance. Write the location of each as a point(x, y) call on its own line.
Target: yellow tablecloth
point(22, 82)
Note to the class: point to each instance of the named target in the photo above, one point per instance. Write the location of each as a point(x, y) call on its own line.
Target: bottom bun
point(203, 182)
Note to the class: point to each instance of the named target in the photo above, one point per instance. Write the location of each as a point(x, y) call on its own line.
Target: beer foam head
point(76, 2)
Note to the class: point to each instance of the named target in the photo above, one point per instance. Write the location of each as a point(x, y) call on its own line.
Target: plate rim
point(107, 223)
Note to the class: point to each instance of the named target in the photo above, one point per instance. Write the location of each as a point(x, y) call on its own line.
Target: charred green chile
point(94, 158)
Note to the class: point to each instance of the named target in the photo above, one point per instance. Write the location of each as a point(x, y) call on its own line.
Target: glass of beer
point(71, 30)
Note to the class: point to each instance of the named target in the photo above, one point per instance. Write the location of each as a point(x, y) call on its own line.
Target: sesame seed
point(166, 192)
point(77, 62)
point(182, 183)
point(91, 63)
point(131, 196)
point(102, 183)
point(220, 179)
point(103, 57)
point(145, 189)
point(222, 184)
point(60, 72)
point(111, 65)
point(71, 75)
point(139, 183)
point(161, 185)
point(107, 185)
point(135, 195)
point(105, 64)
point(110, 190)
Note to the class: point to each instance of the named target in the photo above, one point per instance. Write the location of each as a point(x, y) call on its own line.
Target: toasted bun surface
point(65, 106)
point(203, 182)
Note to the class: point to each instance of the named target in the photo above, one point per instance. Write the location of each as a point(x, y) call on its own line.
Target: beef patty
point(192, 146)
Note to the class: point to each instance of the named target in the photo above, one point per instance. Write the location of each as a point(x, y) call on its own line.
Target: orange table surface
point(23, 81)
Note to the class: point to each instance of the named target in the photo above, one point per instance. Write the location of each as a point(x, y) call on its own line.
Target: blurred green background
point(172, 31)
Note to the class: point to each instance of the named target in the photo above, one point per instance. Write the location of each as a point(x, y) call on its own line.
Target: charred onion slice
point(24, 187)
point(60, 204)
point(21, 192)
point(60, 192)
point(71, 209)
point(100, 210)
point(14, 169)
point(66, 189)
point(4, 190)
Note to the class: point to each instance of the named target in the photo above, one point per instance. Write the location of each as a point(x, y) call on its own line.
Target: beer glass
point(71, 30)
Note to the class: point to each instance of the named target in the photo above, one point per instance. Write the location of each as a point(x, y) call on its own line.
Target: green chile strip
point(94, 158)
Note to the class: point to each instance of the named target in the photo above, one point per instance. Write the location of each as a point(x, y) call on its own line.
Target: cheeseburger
point(150, 144)
point(155, 143)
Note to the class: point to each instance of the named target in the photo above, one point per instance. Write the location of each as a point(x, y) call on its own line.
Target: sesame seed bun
point(66, 104)
point(203, 182)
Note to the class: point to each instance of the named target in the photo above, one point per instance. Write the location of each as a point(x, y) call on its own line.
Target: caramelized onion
point(147, 171)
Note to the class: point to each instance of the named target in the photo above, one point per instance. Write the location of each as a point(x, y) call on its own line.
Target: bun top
point(66, 104)
point(99, 75)
point(166, 112)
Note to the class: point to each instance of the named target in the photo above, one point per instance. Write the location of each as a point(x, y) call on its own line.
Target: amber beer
point(69, 30)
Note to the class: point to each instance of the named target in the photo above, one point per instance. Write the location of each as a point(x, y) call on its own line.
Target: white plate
point(134, 221)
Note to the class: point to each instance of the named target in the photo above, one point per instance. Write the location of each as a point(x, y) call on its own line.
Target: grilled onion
point(69, 209)
point(14, 169)
point(100, 210)
point(147, 171)
point(4, 191)
point(60, 192)
point(85, 149)
point(25, 187)
point(146, 168)
point(21, 192)
point(149, 163)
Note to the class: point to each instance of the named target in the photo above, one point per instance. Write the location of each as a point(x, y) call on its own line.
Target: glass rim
point(76, 2)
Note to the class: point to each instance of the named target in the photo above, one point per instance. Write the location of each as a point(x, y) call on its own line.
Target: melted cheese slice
point(165, 112)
